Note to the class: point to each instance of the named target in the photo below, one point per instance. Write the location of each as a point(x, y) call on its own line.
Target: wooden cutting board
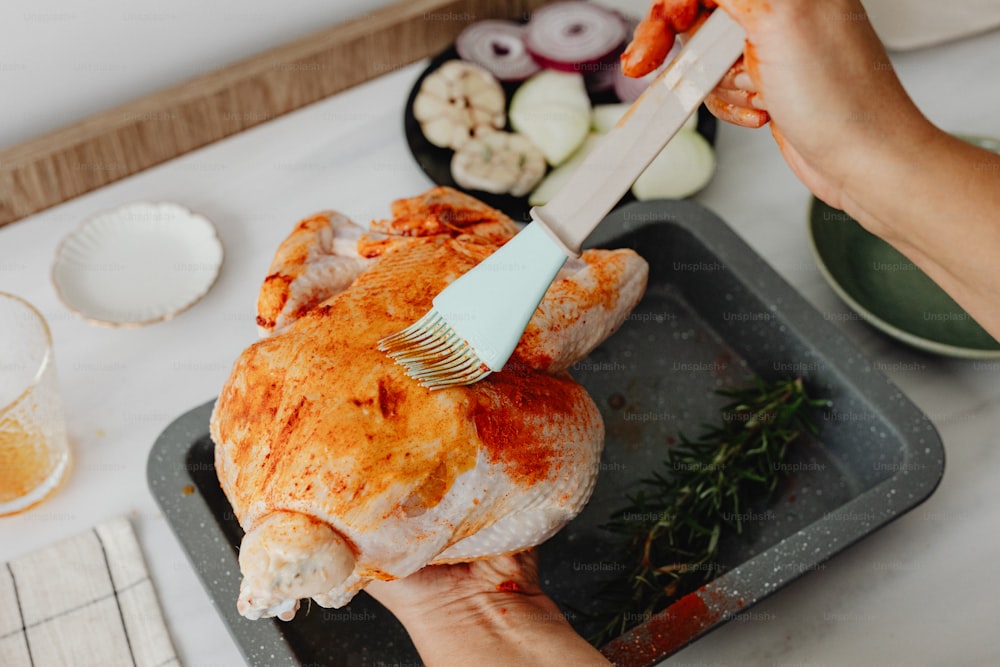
point(121, 141)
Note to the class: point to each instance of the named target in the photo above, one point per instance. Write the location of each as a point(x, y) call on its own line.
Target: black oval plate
point(436, 161)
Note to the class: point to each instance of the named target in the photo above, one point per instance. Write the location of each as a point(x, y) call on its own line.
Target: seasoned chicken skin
point(342, 470)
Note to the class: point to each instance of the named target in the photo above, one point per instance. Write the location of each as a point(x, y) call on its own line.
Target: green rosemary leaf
point(672, 526)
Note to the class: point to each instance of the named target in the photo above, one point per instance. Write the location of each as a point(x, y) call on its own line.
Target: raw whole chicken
point(341, 469)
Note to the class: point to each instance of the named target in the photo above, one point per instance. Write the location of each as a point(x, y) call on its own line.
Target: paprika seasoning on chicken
point(512, 405)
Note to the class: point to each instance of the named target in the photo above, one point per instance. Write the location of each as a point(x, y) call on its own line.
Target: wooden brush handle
point(621, 156)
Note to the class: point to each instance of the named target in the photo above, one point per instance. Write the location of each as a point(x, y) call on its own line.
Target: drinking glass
point(34, 450)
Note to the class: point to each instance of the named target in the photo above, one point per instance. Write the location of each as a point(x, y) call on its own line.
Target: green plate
point(889, 291)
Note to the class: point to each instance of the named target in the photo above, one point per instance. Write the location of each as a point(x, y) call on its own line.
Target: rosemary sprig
point(672, 526)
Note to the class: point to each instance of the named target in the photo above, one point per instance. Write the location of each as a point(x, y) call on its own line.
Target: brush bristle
point(433, 354)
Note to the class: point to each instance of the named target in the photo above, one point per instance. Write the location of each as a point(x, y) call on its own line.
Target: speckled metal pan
point(714, 314)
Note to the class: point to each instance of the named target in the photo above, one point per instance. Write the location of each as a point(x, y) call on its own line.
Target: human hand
point(478, 587)
point(815, 70)
point(487, 612)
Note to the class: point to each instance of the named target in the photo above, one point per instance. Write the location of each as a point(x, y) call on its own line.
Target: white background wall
point(62, 60)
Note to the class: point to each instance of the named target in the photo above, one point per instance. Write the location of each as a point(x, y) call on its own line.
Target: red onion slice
point(569, 35)
point(628, 88)
point(601, 76)
point(497, 46)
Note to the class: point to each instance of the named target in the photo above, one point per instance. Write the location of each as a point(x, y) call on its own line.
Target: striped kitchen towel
point(84, 601)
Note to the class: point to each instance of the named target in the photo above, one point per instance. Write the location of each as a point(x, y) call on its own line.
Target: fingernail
point(743, 81)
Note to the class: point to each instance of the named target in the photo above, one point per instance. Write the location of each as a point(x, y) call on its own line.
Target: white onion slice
point(569, 35)
point(497, 46)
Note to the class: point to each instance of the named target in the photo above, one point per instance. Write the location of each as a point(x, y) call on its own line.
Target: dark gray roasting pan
point(714, 315)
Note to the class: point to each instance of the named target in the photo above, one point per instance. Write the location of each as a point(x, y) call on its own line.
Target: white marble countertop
point(921, 591)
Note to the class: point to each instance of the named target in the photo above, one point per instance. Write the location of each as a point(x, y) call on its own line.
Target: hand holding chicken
point(342, 470)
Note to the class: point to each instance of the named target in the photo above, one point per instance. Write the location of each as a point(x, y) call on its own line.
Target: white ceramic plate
point(140, 263)
point(912, 24)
